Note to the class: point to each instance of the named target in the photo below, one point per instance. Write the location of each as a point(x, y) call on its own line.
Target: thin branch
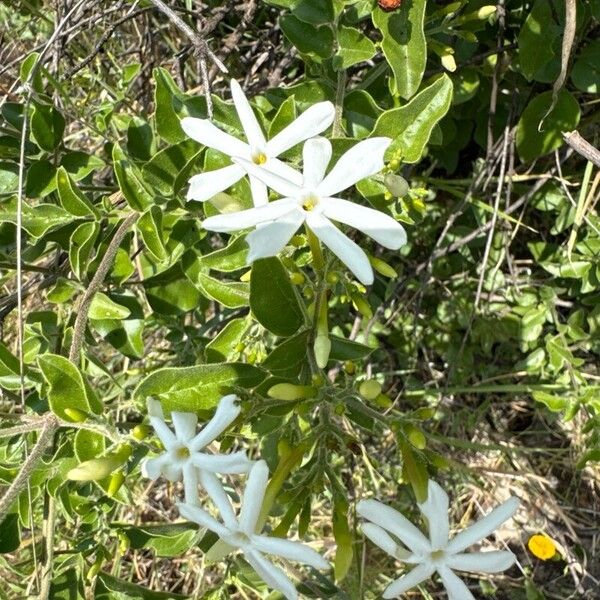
point(20, 481)
point(582, 146)
point(95, 284)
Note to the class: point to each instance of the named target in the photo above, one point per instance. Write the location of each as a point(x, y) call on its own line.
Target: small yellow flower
point(541, 546)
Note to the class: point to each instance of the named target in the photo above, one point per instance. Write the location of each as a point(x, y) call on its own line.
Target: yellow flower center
point(437, 555)
point(309, 202)
point(259, 158)
point(541, 546)
point(240, 538)
point(182, 452)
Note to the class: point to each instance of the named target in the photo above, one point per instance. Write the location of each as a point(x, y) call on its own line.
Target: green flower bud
point(369, 389)
point(339, 409)
point(288, 391)
point(140, 432)
point(349, 367)
point(382, 267)
point(322, 349)
point(318, 380)
point(297, 278)
point(240, 347)
point(397, 185)
point(308, 293)
point(332, 278)
point(383, 401)
point(486, 11)
point(116, 481)
point(415, 436)
point(394, 164)
point(362, 306)
point(76, 415)
point(298, 241)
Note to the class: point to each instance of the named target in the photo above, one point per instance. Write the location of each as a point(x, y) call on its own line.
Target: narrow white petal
point(210, 482)
point(381, 227)
point(275, 178)
point(352, 255)
point(256, 485)
point(456, 588)
point(201, 517)
point(227, 411)
point(419, 574)
point(480, 530)
point(250, 217)
point(251, 127)
point(184, 424)
point(394, 522)
point(271, 574)
point(207, 184)
point(482, 562)
point(270, 239)
point(171, 471)
point(384, 540)
point(435, 509)
point(203, 131)
point(152, 467)
point(312, 121)
point(362, 160)
point(260, 194)
point(284, 170)
point(290, 550)
point(236, 462)
point(316, 155)
point(165, 435)
point(190, 484)
point(154, 408)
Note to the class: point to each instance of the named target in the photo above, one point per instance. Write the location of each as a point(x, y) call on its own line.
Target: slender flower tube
point(257, 149)
point(313, 201)
point(240, 532)
point(438, 553)
point(183, 457)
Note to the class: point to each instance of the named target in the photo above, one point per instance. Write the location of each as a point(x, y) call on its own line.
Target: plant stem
point(340, 92)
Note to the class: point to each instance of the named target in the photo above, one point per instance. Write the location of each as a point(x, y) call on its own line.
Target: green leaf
point(415, 471)
point(404, 44)
point(140, 140)
point(171, 292)
point(88, 444)
point(289, 358)
point(41, 179)
point(316, 42)
point(313, 12)
point(343, 540)
point(536, 38)
point(342, 349)
point(102, 307)
point(231, 294)
point(169, 165)
point(197, 388)
point(130, 181)
point(47, 126)
point(81, 244)
point(10, 377)
point(585, 73)
point(166, 119)
point(231, 258)
point(150, 227)
point(353, 47)
point(273, 299)
point(67, 387)
point(553, 403)
point(167, 541)
point(411, 125)
point(286, 114)
point(222, 347)
point(9, 177)
point(71, 199)
point(10, 533)
point(36, 220)
point(575, 269)
point(531, 143)
point(112, 588)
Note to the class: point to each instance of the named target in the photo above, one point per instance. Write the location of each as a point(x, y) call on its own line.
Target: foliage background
point(486, 342)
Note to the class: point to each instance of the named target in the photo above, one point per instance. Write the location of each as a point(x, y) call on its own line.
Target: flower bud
point(140, 432)
point(246, 276)
point(297, 278)
point(396, 184)
point(308, 293)
point(486, 11)
point(362, 306)
point(394, 164)
point(339, 409)
point(332, 278)
point(116, 481)
point(322, 349)
point(369, 389)
point(76, 415)
point(349, 367)
point(449, 63)
point(240, 347)
point(318, 380)
point(382, 267)
point(415, 436)
point(383, 401)
point(288, 391)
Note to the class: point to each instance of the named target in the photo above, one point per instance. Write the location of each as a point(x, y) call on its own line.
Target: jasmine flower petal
point(456, 588)
point(254, 494)
point(184, 424)
point(201, 517)
point(290, 550)
point(435, 509)
point(207, 184)
point(250, 217)
point(254, 134)
point(419, 574)
point(271, 238)
point(272, 575)
point(210, 482)
point(482, 562)
point(316, 155)
point(207, 134)
point(227, 411)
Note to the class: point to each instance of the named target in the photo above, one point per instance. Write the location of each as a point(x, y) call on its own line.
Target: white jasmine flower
point(242, 532)
point(313, 202)
point(183, 457)
point(438, 552)
point(258, 150)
